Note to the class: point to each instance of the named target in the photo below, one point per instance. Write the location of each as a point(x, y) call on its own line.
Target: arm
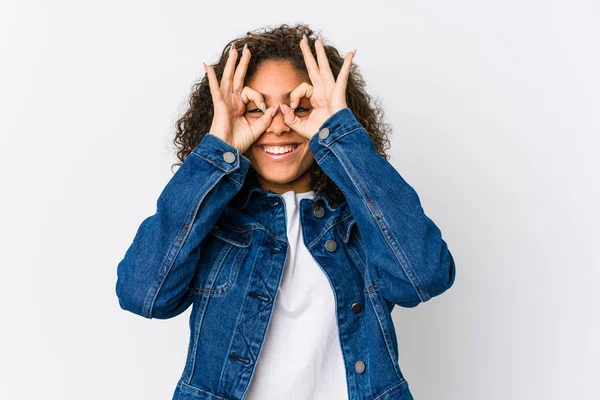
point(154, 276)
point(405, 248)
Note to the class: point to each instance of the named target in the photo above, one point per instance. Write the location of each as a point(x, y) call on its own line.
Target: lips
point(265, 146)
point(279, 156)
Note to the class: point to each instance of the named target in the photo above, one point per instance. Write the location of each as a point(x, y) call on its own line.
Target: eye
point(301, 109)
point(253, 110)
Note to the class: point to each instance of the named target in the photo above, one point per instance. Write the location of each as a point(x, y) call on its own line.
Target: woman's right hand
point(229, 101)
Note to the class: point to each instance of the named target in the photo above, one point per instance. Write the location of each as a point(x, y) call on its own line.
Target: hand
point(229, 101)
point(327, 96)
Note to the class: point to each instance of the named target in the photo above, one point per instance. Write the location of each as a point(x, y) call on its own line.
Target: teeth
point(279, 149)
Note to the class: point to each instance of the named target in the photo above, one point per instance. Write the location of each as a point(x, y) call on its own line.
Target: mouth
point(280, 153)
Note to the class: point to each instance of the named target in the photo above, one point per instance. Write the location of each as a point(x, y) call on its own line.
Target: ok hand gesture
point(229, 101)
point(327, 96)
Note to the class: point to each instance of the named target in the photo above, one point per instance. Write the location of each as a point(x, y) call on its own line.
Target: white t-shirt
point(301, 358)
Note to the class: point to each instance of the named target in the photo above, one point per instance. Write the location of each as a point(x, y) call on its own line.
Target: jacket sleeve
point(405, 250)
point(154, 276)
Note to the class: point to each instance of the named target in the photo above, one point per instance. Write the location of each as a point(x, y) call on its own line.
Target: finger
point(213, 83)
point(263, 122)
point(302, 90)
point(240, 71)
point(248, 94)
point(342, 78)
point(290, 118)
point(228, 71)
point(309, 60)
point(324, 69)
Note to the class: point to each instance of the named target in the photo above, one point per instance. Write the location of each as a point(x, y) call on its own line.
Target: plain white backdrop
point(495, 108)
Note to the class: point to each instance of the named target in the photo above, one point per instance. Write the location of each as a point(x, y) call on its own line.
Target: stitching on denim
point(233, 166)
point(203, 391)
point(397, 386)
point(246, 366)
point(245, 228)
point(332, 223)
point(216, 269)
point(239, 316)
point(224, 288)
point(202, 306)
point(373, 288)
point(229, 172)
point(384, 330)
point(357, 261)
point(245, 243)
point(399, 252)
point(403, 261)
point(173, 251)
point(345, 233)
point(368, 270)
point(239, 183)
point(336, 138)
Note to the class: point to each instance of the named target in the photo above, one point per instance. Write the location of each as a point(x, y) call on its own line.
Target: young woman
point(287, 230)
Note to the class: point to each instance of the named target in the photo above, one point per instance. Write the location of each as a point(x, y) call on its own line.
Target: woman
point(285, 214)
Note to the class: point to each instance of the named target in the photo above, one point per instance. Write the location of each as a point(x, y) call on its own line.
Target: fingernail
point(320, 38)
point(274, 111)
point(263, 107)
point(355, 51)
point(283, 109)
point(304, 37)
point(245, 47)
point(231, 48)
point(205, 68)
point(292, 105)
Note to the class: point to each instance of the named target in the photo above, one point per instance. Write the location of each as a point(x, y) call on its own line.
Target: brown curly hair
point(283, 43)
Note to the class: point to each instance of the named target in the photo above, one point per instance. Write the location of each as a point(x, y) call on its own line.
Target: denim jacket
point(218, 242)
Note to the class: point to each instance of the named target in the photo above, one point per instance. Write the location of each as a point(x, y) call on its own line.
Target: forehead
point(275, 79)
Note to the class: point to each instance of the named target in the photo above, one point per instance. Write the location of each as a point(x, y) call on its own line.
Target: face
point(280, 156)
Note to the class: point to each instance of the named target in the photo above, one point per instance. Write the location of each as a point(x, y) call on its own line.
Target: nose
point(278, 126)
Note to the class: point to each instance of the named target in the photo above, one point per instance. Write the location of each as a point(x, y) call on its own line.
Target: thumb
point(290, 118)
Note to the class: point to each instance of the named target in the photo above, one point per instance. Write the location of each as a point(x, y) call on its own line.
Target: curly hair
point(283, 43)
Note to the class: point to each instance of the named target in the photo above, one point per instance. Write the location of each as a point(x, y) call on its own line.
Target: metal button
point(323, 133)
point(356, 307)
point(229, 157)
point(359, 367)
point(330, 245)
point(319, 212)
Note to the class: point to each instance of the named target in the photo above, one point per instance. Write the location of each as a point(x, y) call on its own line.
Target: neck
point(299, 185)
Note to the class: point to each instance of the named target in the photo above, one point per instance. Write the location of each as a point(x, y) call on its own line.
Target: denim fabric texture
point(218, 242)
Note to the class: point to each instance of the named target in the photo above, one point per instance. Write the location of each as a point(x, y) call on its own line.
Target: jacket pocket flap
point(345, 227)
point(236, 237)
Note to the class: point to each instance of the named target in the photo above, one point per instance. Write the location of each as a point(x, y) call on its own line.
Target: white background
point(495, 108)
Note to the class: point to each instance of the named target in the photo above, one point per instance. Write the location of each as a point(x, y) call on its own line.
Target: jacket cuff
point(339, 124)
point(224, 156)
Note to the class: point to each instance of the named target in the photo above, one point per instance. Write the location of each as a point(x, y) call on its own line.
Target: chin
point(279, 178)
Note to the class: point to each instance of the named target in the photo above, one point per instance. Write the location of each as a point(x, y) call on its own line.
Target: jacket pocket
point(223, 252)
point(351, 236)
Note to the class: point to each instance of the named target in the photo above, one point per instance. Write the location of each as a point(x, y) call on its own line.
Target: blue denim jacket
point(218, 242)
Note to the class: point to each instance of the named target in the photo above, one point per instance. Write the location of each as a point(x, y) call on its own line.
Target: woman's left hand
point(327, 96)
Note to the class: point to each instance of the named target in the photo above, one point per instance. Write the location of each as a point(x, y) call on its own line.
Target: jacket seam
point(176, 246)
point(203, 391)
point(390, 238)
point(331, 224)
point(383, 325)
point(397, 386)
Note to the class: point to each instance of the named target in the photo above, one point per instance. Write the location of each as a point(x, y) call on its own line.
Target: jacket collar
point(252, 189)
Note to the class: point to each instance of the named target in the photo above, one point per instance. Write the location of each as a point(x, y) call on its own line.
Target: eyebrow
point(286, 96)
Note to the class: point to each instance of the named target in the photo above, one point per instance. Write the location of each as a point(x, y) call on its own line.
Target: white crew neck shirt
point(301, 358)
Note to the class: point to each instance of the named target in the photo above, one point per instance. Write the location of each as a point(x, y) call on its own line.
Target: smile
point(280, 153)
